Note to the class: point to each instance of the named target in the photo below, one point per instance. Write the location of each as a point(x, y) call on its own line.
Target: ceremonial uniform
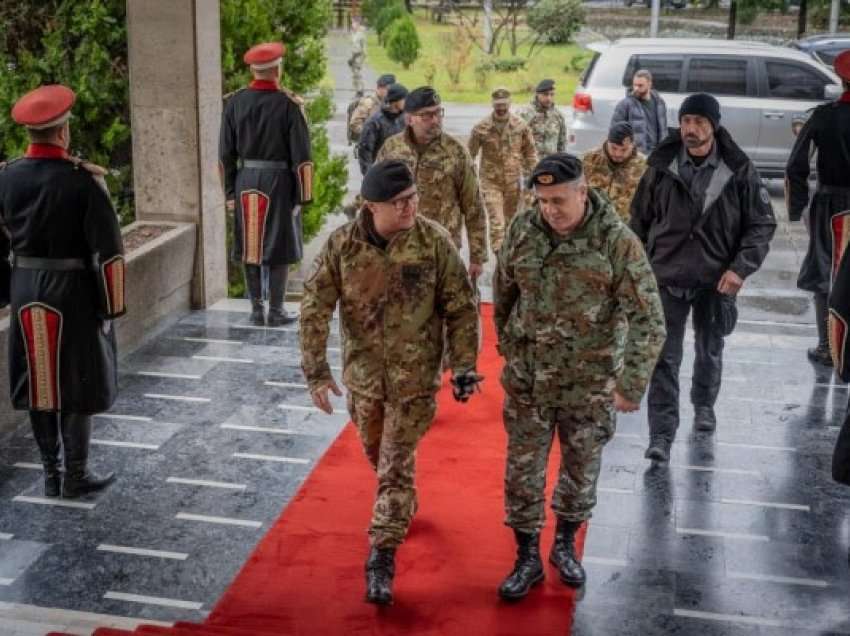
point(265, 155)
point(827, 131)
point(65, 286)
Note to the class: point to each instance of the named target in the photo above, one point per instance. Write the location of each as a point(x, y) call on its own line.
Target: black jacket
point(829, 130)
point(692, 247)
point(377, 129)
point(62, 353)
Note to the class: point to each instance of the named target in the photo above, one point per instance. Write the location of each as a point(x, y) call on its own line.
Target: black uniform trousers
point(708, 362)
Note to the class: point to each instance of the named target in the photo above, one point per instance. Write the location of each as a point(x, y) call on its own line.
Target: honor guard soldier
point(828, 130)
point(264, 150)
point(397, 279)
point(65, 286)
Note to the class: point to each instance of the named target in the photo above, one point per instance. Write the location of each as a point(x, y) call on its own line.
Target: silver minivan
point(761, 89)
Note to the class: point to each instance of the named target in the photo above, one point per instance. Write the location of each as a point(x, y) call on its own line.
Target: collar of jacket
point(264, 85)
point(598, 215)
point(408, 137)
point(46, 151)
point(727, 150)
point(360, 230)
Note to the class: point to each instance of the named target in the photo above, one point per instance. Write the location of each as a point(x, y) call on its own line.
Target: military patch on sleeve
point(765, 195)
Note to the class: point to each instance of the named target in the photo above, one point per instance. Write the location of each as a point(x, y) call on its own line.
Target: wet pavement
point(743, 533)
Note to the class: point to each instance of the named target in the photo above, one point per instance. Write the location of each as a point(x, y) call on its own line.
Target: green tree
point(83, 44)
point(402, 42)
point(555, 21)
point(386, 17)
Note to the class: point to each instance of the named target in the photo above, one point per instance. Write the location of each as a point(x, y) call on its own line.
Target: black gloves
point(465, 384)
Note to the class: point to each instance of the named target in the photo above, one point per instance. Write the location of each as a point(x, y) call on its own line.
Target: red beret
point(44, 107)
point(842, 65)
point(264, 55)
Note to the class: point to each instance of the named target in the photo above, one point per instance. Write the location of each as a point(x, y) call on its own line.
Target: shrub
point(556, 21)
point(402, 42)
point(458, 50)
point(509, 65)
point(386, 17)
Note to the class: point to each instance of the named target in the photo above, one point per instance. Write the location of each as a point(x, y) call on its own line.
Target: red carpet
point(306, 576)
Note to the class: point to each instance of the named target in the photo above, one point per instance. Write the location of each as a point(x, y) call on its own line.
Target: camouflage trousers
point(356, 65)
point(390, 432)
point(501, 203)
point(582, 430)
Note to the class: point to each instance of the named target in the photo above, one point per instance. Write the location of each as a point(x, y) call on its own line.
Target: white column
point(833, 16)
point(174, 51)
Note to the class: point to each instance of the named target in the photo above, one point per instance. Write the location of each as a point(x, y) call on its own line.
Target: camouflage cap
point(560, 167)
point(501, 96)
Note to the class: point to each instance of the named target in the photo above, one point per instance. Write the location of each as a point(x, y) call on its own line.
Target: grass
point(551, 61)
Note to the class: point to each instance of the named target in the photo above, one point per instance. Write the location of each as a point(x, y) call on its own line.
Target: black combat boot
point(45, 430)
point(659, 449)
point(278, 316)
point(821, 354)
point(380, 570)
point(528, 569)
point(563, 554)
point(254, 282)
point(704, 418)
point(76, 435)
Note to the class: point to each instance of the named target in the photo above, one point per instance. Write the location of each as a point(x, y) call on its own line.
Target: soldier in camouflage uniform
point(616, 167)
point(444, 174)
point(397, 279)
point(507, 155)
point(568, 273)
point(368, 105)
point(358, 54)
point(547, 124)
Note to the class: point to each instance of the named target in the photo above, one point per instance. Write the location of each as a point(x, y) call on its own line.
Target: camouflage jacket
point(558, 302)
point(358, 45)
point(367, 106)
point(393, 304)
point(548, 127)
point(618, 181)
point(448, 186)
point(507, 152)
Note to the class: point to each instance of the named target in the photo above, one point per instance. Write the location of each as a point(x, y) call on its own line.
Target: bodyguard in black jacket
point(706, 222)
point(388, 121)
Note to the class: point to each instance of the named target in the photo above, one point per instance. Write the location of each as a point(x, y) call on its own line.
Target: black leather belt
point(49, 264)
point(261, 164)
point(827, 189)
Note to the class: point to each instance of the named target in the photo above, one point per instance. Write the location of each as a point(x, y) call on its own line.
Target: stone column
point(175, 104)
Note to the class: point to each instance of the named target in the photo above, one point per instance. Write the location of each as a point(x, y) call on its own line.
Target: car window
point(828, 54)
point(717, 75)
point(794, 81)
point(666, 71)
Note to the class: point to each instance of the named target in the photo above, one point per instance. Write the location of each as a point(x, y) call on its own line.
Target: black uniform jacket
point(66, 285)
point(264, 150)
point(691, 246)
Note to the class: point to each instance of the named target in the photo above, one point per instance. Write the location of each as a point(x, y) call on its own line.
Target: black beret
point(396, 92)
point(386, 80)
point(545, 86)
point(386, 179)
point(560, 167)
point(620, 131)
point(422, 97)
point(701, 104)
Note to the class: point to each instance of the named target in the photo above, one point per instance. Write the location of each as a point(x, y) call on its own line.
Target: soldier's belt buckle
point(545, 179)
